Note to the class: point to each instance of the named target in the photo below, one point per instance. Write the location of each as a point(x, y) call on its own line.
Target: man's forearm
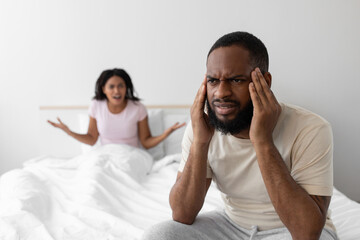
point(188, 194)
point(296, 209)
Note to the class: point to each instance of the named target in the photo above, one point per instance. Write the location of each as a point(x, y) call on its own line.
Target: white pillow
point(84, 120)
point(156, 124)
point(172, 144)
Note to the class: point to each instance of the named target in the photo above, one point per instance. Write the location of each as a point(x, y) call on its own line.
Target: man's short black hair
point(258, 53)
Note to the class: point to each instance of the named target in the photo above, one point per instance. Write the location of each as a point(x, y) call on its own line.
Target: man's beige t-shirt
point(305, 143)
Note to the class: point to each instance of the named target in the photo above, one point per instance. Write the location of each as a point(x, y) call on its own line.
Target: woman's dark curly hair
point(106, 75)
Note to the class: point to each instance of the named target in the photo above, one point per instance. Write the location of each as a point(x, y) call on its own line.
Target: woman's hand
point(147, 140)
point(89, 138)
point(174, 127)
point(60, 125)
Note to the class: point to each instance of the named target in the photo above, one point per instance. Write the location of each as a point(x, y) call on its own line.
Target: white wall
point(51, 53)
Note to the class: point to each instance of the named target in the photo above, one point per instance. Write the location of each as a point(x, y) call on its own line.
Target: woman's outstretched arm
point(89, 138)
point(147, 140)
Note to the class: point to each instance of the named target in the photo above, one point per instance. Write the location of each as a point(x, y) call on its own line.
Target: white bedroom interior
point(53, 51)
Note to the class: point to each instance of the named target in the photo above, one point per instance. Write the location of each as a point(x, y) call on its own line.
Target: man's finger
point(199, 101)
point(264, 84)
point(261, 86)
point(254, 97)
point(269, 96)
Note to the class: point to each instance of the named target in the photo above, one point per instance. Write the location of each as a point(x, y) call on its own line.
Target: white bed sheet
point(109, 193)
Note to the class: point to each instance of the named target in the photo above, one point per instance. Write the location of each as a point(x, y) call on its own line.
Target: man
point(272, 162)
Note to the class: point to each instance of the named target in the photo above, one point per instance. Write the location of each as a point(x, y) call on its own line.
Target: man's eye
point(212, 81)
point(237, 81)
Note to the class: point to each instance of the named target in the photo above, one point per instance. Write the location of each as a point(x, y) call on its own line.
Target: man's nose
point(223, 90)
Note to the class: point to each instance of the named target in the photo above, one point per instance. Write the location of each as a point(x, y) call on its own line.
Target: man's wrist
point(264, 146)
point(201, 144)
point(199, 148)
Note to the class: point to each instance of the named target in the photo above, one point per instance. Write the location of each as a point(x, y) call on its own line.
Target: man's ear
point(268, 78)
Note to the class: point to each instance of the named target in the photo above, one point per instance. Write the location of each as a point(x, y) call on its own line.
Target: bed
point(112, 191)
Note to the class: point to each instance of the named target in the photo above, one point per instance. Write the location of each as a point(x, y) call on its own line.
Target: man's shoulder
point(299, 115)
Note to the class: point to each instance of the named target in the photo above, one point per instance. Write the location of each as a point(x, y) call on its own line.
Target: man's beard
point(241, 122)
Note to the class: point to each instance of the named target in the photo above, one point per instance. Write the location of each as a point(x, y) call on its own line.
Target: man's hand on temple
point(266, 109)
point(202, 129)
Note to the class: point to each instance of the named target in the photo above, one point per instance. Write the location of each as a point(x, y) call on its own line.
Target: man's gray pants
point(216, 225)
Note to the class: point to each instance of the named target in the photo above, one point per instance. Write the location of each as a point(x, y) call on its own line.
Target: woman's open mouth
point(118, 97)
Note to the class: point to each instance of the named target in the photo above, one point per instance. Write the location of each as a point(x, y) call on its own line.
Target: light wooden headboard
point(51, 138)
point(83, 107)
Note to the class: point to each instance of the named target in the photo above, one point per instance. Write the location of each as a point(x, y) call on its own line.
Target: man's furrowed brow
point(211, 77)
point(238, 76)
point(232, 77)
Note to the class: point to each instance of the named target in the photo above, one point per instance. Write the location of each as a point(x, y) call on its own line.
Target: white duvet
point(112, 192)
point(108, 193)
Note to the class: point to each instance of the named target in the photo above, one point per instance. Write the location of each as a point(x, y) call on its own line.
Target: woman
point(116, 115)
